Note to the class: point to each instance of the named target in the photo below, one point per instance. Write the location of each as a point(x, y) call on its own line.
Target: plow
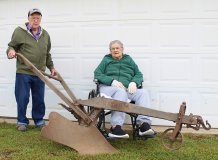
point(83, 135)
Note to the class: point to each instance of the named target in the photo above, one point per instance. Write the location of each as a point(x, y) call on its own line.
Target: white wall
point(174, 42)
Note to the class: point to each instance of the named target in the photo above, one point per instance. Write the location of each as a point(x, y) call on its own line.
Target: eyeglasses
point(35, 18)
point(116, 48)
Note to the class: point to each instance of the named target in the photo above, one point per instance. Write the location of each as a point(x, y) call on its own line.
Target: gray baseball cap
point(34, 10)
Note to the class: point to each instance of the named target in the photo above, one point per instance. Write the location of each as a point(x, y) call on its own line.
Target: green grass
point(30, 145)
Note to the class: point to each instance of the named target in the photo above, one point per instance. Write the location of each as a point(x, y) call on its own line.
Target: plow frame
point(87, 120)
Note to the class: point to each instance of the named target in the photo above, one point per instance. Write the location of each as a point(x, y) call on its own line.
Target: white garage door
point(175, 43)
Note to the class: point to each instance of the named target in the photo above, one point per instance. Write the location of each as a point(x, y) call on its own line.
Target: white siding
point(174, 42)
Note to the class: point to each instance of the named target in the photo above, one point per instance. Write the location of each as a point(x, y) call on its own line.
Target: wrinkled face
point(116, 51)
point(35, 20)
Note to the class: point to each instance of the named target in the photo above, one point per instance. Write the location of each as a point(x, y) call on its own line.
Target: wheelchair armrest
point(140, 86)
point(96, 81)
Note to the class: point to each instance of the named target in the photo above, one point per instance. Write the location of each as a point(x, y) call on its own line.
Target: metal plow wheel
point(169, 142)
point(83, 135)
point(85, 140)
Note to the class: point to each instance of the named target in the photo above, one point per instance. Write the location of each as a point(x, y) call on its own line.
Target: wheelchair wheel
point(91, 95)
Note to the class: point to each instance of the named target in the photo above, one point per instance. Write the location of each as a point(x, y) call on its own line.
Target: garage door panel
point(137, 35)
point(209, 102)
point(88, 66)
point(208, 35)
point(175, 69)
point(69, 68)
point(4, 9)
point(208, 8)
point(212, 120)
point(4, 101)
point(144, 64)
point(175, 7)
point(91, 10)
point(8, 69)
point(95, 37)
point(62, 38)
point(8, 103)
point(130, 9)
point(176, 35)
point(3, 41)
point(209, 69)
point(61, 9)
point(52, 100)
point(170, 100)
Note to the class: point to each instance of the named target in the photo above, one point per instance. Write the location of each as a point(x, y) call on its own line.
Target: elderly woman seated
point(119, 78)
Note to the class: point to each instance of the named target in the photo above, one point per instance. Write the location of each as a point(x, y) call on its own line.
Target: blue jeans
point(24, 83)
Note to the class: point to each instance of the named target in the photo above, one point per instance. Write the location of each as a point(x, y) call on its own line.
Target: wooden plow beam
point(84, 136)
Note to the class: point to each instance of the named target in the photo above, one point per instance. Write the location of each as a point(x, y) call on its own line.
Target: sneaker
point(117, 132)
point(21, 128)
point(145, 130)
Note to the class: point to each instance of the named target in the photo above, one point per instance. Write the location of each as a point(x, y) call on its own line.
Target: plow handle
point(69, 101)
point(63, 83)
point(53, 77)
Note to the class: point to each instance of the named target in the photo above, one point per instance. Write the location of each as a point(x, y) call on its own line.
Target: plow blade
point(85, 140)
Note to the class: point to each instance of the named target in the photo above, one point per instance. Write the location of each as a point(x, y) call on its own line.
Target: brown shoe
point(21, 128)
point(40, 126)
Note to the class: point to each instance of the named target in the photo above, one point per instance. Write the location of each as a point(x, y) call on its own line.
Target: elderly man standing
point(34, 43)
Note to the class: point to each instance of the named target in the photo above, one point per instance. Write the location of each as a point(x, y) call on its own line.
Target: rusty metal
point(199, 123)
point(105, 103)
point(84, 136)
point(169, 142)
point(85, 140)
point(172, 138)
point(179, 123)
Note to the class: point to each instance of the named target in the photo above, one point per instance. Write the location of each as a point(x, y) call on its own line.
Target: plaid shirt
point(37, 35)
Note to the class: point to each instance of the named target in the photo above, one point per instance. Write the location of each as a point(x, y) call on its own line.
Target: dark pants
point(24, 83)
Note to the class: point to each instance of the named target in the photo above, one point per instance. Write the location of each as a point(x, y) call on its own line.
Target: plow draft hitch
point(83, 135)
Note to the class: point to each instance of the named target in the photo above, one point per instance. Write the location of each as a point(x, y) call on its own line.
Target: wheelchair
point(101, 123)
